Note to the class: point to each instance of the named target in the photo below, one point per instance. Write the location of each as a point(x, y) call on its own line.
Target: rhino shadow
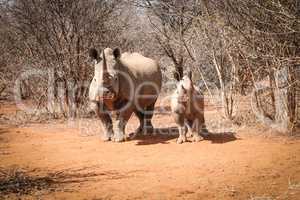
point(159, 136)
point(164, 135)
point(221, 137)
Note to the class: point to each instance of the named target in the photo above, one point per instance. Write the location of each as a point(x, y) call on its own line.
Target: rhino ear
point(93, 53)
point(117, 53)
point(176, 76)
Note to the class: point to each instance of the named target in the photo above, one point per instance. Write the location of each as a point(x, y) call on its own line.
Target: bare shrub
point(53, 37)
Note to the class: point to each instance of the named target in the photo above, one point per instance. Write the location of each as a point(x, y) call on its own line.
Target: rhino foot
point(118, 138)
point(144, 131)
point(105, 139)
point(205, 132)
point(197, 138)
point(107, 136)
point(181, 140)
point(149, 130)
point(138, 131)
point(188, 134)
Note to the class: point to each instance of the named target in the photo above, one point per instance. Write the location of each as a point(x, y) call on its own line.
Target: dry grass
point(19, 181)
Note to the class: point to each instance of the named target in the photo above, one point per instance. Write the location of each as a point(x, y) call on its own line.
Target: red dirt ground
point(153, 167)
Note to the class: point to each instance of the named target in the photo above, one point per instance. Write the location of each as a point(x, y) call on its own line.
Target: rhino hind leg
point(148, 118)
point(202, 129)
point(145, 117)
point(141, 116)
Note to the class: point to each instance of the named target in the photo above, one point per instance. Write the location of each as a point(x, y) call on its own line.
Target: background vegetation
point(242, 47)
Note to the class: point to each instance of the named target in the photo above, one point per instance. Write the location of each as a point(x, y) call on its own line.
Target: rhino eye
point(113, 77)
point(109, 76)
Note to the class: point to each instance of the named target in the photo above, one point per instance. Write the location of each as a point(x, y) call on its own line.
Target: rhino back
point(142, 71)
point(141, 67)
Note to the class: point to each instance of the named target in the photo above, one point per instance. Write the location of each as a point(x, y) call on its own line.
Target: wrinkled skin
point(123, 84)
point(187, 105)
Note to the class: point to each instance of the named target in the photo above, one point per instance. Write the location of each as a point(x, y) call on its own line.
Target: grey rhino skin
point(123, 84)
point(187, 106)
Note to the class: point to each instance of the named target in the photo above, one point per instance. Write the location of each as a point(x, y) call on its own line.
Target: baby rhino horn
point(190, 74)
point(176, 76)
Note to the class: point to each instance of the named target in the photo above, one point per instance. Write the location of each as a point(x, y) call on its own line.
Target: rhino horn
point(190, 74)
point(104, 62)
point(176, 75)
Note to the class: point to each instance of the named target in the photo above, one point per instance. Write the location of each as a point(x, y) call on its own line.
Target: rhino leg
point(182, 134)
point(145, 117)
point(148, 117)
point(202, 127)
point(197, 137)
point(105, 120)
point(189, 128)
point(195, 126)
point(179, 119)
point(120, 124)
point(108, 127)
point(141, 116)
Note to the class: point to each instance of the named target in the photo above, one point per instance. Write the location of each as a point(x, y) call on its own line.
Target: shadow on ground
point(2, 131)
point(164, 135)
point(159, 136)
point(220, 138)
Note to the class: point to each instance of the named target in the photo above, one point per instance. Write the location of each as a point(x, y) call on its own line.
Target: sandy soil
point(223, 166)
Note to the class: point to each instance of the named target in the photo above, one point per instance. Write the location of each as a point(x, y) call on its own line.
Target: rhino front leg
point(120, 123)
point(179, 119)
point(197, 137)
point(182, 134)
point(104, 118)
point(108, 127)
point(196, 128)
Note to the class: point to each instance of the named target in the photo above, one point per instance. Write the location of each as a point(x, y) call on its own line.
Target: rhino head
point(185, 88)
point(105, 84)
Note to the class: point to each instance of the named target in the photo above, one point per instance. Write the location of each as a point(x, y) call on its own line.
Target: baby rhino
point(187, 105)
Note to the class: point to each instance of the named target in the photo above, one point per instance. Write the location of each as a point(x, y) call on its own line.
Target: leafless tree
point(172, 21)
point(269, 47)
point(54, 36)
point(236, 44)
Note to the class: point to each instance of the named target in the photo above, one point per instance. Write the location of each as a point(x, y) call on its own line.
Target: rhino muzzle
point(183, 99)
point(106, 94)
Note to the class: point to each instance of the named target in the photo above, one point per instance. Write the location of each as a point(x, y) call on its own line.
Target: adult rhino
point(123, 83)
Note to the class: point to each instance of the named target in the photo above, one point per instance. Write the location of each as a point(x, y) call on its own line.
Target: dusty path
point(153, 167)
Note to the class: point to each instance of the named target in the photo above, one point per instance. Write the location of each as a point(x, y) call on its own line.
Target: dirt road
point(221, 167)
